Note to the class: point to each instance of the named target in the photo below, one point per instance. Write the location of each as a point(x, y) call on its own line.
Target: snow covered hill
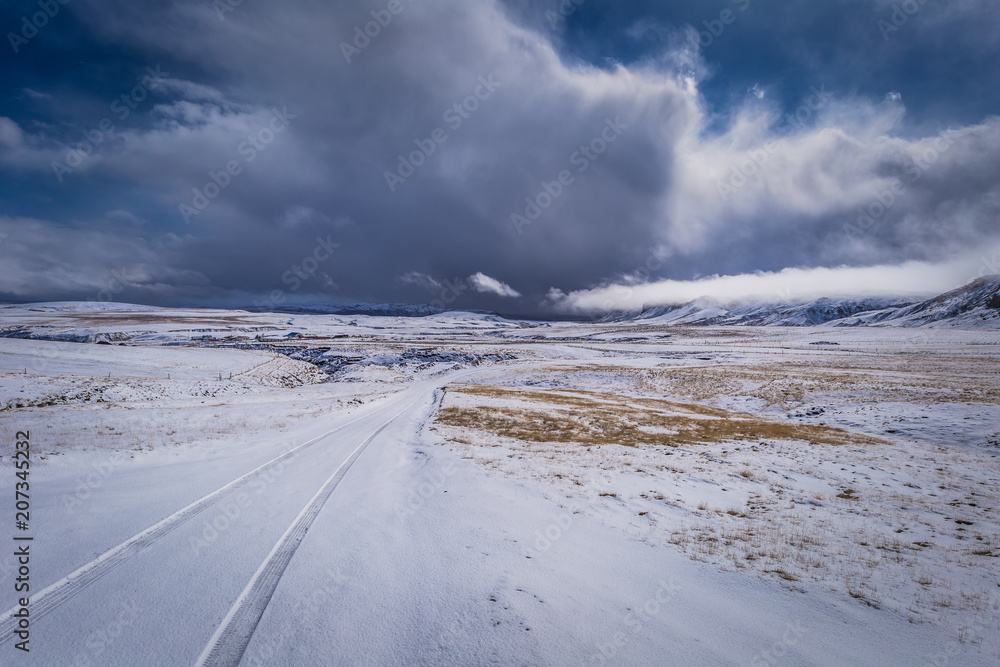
point(372, 309)
point(707, 312)
point(974, 306)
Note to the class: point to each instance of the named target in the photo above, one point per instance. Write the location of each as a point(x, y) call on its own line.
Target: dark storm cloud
point(457, 140)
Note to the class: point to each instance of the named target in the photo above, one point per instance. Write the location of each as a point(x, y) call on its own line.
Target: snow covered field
point(213, 487)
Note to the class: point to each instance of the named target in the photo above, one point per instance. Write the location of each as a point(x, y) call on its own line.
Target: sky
point(544, 158)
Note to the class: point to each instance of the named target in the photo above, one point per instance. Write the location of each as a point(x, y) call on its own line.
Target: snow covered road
point(179, 578)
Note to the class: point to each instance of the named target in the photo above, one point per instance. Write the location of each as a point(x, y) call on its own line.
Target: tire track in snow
point(230, 640)
point(51, 597)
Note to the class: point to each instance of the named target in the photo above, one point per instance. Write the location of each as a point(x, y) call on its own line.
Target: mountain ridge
point(975, 305)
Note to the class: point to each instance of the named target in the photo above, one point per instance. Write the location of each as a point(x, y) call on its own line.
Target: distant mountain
point(374, 309)
point(707, 312)
point(80, 306)
point(976, 306)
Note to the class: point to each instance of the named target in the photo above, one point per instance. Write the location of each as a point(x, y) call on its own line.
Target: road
point(210, 567)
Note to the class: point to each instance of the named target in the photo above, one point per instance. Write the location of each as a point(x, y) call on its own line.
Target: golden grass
point(592, 418)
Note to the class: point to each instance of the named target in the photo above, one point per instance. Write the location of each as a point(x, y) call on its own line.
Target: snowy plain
point(520, 493)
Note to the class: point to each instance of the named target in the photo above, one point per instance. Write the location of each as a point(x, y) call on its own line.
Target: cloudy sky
point(542, 157)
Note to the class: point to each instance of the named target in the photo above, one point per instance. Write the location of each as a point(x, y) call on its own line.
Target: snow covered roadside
point(423, 557)
point(887, 513)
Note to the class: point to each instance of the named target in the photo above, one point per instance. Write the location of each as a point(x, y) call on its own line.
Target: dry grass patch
point(591, 418)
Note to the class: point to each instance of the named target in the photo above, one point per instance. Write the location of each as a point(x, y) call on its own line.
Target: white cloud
point(35, 95)
point(10, 133)
point(298, 215)
point(787, 286)
point(419, 279)
point(486, 285)
point(190, 90)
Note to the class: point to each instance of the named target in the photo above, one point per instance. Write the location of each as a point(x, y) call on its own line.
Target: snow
point(974, 306)
point(586, 529)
